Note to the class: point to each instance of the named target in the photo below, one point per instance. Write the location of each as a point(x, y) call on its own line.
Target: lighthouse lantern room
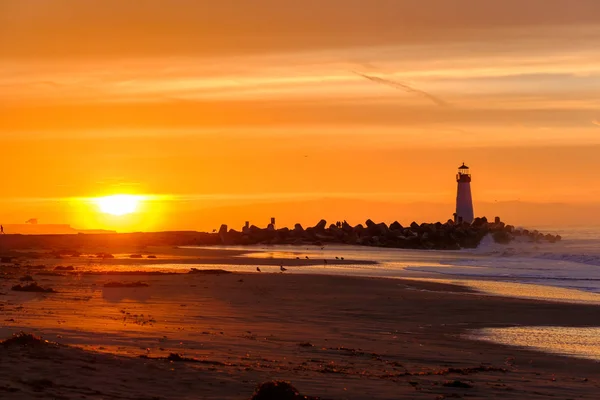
point(463, 174)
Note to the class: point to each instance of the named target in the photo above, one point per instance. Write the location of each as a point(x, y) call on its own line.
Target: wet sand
point(170, 257)
point(332, 337)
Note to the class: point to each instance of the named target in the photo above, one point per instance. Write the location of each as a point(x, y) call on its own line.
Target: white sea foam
point(571, 263)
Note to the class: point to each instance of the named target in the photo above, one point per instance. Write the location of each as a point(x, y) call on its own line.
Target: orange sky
point(215, 109)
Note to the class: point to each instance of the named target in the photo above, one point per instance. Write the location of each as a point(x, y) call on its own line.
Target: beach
point(334, 337)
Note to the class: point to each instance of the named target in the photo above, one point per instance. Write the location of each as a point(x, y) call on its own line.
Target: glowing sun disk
point(119, 204)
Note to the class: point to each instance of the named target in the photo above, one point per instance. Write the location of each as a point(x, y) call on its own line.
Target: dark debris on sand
point(458, 384)
point(26, 340)
point(32, 287)
point(174, 357)
point(278, 390)
point(137, 284)
point(104, 255)
point(179, 358)
point(208, 271)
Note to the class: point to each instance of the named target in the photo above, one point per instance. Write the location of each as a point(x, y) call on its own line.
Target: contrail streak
point(404, 87)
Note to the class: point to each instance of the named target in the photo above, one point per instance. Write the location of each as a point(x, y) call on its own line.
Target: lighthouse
point(464, 201)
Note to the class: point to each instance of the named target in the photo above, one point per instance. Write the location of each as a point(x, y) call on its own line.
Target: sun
point(118, 204)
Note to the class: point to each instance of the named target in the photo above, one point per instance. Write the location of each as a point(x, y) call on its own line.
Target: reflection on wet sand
point(582, 342)
point(522, 290)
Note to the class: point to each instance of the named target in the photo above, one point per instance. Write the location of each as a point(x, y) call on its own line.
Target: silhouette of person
point(1, 229)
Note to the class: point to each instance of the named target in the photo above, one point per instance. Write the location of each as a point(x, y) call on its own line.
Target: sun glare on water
point(119, 204)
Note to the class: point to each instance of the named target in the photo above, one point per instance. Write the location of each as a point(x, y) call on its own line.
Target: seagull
point(258, 269)
point(342, 258)
point(337, 258)
point(282, 268)
point(307, 258)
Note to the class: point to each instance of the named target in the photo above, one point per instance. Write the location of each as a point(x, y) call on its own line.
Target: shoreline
point(295, 260)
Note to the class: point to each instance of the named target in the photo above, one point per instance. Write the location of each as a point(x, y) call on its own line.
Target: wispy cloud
point(596, 122)
point(404, 87)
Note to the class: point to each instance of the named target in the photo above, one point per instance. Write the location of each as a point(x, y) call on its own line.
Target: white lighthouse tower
point(464, 201)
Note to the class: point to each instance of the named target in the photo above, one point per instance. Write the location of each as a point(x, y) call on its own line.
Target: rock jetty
point(426, 236)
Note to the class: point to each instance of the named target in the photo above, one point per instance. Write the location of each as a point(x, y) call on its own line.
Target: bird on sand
point(337, 258)
point(307, 258)
point(342, 258)
point(282, 268)
point(258, 269)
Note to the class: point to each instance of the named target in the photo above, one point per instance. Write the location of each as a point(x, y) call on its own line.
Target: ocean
point(572, 264)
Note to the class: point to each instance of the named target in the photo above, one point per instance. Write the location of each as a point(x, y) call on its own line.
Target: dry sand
point(332, 337)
